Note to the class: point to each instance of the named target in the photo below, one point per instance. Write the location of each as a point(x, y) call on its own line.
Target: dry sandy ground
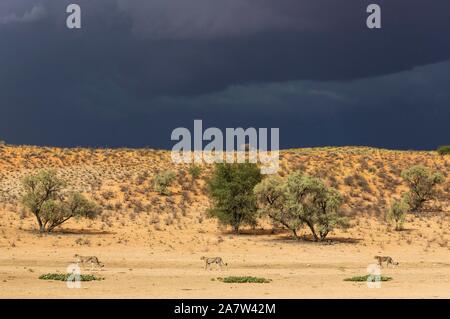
point(170, 267)
point(151, 244)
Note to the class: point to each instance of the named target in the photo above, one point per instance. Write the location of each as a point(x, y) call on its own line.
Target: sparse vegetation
point(444, 150)
point(231, 189)
point(366, 277)
point(195, 171)
point(244, 280)
point(65, 277)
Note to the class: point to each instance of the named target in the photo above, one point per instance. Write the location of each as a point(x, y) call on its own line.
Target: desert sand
point(151, 245)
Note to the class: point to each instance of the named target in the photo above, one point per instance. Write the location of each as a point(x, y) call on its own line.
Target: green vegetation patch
point(65, 277)
point(366, 277)
point(444, 150)
point(244, 280)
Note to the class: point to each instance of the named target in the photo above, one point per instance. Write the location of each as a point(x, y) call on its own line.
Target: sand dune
point(151, 245)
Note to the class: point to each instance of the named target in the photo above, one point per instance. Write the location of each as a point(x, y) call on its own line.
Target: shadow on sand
point(70, 231)
point(283, 235)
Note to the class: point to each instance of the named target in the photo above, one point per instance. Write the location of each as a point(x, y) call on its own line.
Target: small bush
point(65, 277)
point(444, 150)
point(397, 213)
point(162, 181)
point(108, 195)
point(244, 279)
point(364, 278)
point(348, 181)
point(195, 171)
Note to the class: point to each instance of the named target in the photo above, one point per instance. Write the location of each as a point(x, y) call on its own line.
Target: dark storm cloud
point(175, 47)
point(407, 109)
point(36, 13)
point(194, 47)
point(138, 68)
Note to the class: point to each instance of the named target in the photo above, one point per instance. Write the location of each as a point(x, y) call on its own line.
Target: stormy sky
point(138, 69)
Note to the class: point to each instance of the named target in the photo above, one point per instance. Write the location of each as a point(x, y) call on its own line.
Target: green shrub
point(65, 277)
point(244, 279)
point(444, 150)
point(195, 171)
point(422, 182)
point(231, 189)
point(364, 278)
point(162, 181)
point(397, 213)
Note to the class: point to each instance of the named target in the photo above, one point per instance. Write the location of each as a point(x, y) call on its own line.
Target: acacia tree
point(271, 195)
point(315, 204)
point(231, 189)
point(301, 200)
point(45, 198)
point(422, 183)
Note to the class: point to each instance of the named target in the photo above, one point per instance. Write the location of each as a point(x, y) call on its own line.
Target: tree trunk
point(39, 221)
point(323, 236)
point(56, 224)
point(286, 225)
point(313, 231)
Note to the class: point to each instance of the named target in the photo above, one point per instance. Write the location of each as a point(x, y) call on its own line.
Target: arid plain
point(151, 244)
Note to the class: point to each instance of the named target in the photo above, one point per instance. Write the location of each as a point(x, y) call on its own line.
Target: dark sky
point(138, 69)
